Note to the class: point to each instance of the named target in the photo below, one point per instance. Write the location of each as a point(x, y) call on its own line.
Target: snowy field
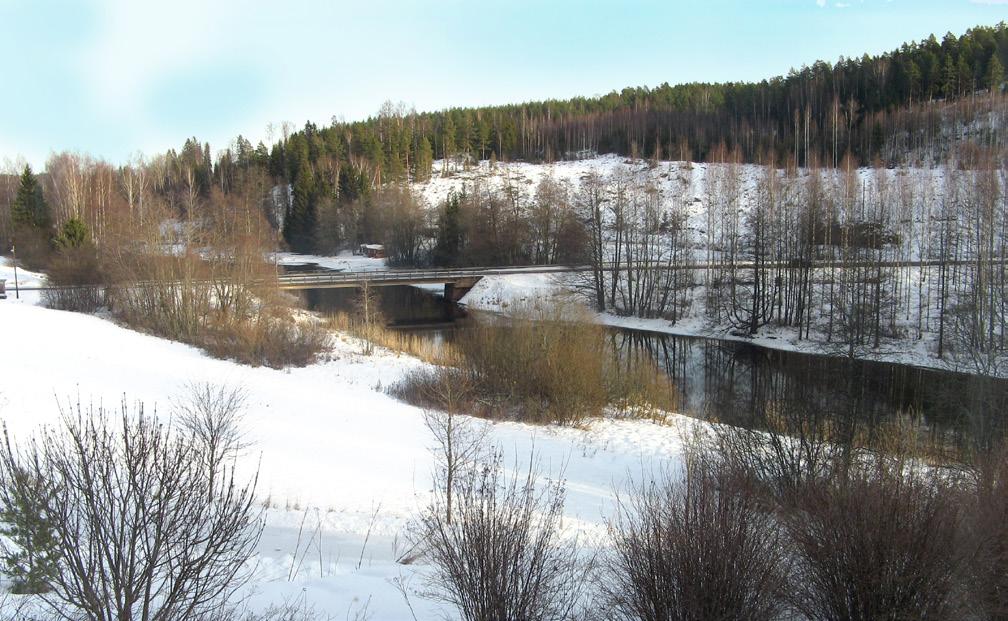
point(24, 278)
point(345, 261)
point(340, 461)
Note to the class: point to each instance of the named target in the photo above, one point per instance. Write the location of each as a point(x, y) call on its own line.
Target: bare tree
point(589, 200)
point(138, 536)
point(460, 439)
point(211, 414)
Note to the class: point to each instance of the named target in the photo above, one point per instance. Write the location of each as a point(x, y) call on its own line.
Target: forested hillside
point(922, 104)
point(918, 102)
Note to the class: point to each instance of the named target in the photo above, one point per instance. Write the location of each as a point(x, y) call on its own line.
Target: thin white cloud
point(989, 1)
point(821, 3)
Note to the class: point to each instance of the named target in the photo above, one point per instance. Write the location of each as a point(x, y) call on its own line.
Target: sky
point(117, 77)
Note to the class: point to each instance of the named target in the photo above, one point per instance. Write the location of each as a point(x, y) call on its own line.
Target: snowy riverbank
point(499, 294)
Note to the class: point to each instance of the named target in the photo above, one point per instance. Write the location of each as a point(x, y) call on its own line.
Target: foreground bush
point(986, 537)
point(497, 552)
point(140, 529)
point(696, 548)
point(877, 544)
point(75, 269)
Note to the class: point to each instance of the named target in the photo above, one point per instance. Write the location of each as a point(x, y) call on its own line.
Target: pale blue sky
point(111, 77)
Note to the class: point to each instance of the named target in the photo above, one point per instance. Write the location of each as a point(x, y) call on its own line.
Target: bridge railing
point(408, 275)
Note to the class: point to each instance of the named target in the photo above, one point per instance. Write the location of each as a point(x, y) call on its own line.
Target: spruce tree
point(30, 560)
point(73, 234)
point(423, 161)
point(949, 78)
point(449, 232)
point(301, 220)
point(995, 73)
point(447, 141)
point(29, 207)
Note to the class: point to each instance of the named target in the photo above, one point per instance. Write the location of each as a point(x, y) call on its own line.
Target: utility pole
point(17, 291)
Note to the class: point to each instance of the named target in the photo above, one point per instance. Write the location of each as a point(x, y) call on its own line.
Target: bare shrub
point(547, 366)
point(500, 556)
point(213, 289)
point(77, 298)
point(77, 280)
point(138, 533)
point(278, 343)
point(639, 389)
point(274, 342)
point(421, 387)
point(879, 543)
point(986, 537)
point(797, 445)
point(695, 548)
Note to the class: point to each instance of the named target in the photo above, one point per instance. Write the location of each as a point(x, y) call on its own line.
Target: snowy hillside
point(909, 198)
point(679, 183)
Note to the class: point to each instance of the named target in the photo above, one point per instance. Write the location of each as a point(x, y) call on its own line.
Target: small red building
point(373, 251)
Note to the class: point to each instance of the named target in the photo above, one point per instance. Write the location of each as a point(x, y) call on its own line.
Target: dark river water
point(741, 383)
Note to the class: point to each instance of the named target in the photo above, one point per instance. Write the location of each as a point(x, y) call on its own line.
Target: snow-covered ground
point(688, 186)
point(336, 454)
point(345, 261)
point(25, 278)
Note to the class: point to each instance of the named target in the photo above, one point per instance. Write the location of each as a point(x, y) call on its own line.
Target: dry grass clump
point(545, 365)
point(375, 332)
point(269, 341)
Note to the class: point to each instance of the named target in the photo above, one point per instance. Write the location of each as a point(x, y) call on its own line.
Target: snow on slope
point(344, 261)
point(333, 449)
point(25, 278)
point(499, 293)
point(675, 181)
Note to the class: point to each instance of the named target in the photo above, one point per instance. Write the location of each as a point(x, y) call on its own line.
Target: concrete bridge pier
point(455, 291)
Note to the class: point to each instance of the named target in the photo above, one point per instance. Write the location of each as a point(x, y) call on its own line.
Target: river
point(742, 383)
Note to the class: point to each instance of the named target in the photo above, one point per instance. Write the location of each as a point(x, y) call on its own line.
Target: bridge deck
point(389, 278)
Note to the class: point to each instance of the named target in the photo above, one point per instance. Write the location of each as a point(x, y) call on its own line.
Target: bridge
point(457, 282)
